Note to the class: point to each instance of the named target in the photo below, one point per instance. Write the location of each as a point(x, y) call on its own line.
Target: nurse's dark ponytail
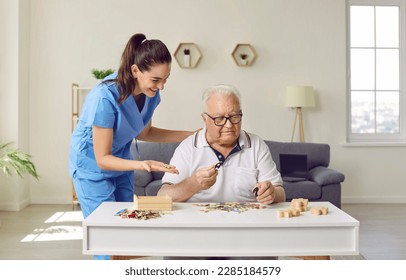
point(144, 53)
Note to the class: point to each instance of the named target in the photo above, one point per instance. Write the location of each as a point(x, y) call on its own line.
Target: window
point(376, 80)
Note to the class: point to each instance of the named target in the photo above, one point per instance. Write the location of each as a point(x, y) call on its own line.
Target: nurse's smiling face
point(149, 82)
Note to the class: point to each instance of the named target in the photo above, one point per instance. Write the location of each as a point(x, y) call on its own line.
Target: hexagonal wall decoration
point(187, 55)
point(244, 55)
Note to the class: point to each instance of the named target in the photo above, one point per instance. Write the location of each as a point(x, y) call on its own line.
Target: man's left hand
point(266, 192)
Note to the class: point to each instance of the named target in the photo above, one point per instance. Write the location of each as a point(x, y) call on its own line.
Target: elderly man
point(222, 162)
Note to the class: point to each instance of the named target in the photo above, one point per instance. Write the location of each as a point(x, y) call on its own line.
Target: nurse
point(114, 113)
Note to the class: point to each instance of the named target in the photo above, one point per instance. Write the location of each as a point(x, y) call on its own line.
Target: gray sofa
point(323, 184)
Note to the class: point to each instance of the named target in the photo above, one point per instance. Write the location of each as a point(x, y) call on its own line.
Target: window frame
point(399, 137)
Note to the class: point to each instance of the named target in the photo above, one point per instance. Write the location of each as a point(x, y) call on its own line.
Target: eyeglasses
point(220, 121)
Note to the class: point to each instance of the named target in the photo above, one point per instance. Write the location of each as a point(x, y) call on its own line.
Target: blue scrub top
point(101, 109)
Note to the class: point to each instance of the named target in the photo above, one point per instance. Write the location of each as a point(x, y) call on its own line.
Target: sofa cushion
point(153, 187)
point(326, 176)
point(153, 151)
point(317, 154)
point(142, 178)
point(302, 189)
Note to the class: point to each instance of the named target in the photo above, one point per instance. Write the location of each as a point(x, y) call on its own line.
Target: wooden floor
point(382, 230)
point(44, 232)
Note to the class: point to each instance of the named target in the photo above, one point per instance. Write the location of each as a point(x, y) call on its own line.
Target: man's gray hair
point(223, 90)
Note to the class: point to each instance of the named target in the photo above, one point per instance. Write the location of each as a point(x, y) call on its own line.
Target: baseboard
point(373, 199)
point(17, 206)
point(59, 200)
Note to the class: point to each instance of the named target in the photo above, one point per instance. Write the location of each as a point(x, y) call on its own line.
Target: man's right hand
point(205, 177)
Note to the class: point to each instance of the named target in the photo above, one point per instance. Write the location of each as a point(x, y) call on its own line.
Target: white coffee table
point(187, 231)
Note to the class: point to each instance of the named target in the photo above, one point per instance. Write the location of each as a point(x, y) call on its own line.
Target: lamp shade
point(299, 96)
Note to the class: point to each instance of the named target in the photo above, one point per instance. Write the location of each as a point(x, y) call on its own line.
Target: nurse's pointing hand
point(152, 165)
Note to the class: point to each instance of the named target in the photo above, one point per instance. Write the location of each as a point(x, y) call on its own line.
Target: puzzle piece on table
point(237, 207)
point(299, 204)
point(162, 203)
point(319, 211)
point(288, 213)
point(139, 214)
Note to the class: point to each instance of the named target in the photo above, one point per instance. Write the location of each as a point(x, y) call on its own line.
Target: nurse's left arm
point(155, 134)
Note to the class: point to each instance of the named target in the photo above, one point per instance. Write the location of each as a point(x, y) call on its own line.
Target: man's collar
point(200, 140)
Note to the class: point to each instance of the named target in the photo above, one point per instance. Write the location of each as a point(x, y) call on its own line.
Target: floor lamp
point(298, 97)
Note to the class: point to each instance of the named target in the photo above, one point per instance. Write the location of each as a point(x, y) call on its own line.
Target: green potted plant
point(101, 74)
point(17, 161)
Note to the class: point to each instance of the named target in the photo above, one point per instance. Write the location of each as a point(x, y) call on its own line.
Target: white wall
point(14, 109)
point(297, 42)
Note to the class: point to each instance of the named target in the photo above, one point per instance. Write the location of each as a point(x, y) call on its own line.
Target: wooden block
point(299, 204)
point(159, 203)
point(299, 208)
point(295, 213)
point(319, 211)
point(288, 213)
point(152, 199)
point(284, 214)
point(300, 201)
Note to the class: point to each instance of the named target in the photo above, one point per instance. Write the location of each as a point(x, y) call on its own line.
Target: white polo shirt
point(241, 170)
